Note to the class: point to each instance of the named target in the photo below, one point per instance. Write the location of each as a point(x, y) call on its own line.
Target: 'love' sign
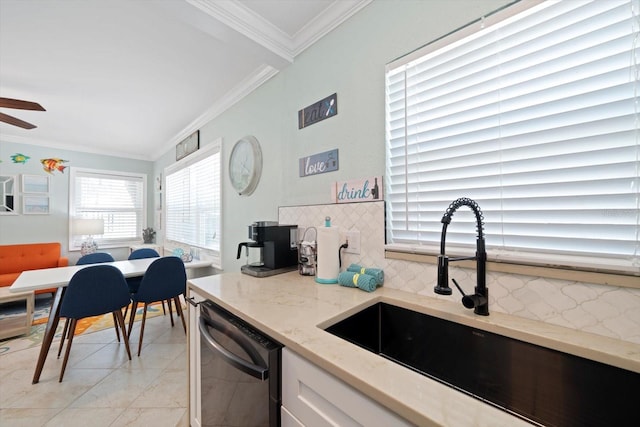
point(319, 163)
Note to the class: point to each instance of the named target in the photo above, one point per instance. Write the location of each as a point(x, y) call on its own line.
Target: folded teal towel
point(378, 273)
point(362, 281)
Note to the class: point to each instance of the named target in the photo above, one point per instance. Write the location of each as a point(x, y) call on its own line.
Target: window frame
point(528, 257)
point(74, 243)
point(205, 152)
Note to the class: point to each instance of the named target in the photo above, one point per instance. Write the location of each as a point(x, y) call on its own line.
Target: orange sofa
point(14, 259)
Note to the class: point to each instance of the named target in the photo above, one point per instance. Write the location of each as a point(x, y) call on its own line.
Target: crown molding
point(246, 22)
point(321, 25)
point(50, 143)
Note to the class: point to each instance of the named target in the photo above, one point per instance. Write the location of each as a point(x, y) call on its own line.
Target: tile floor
point(101, 387)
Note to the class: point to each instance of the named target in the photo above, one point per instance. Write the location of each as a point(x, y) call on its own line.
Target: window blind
point(533, 114)
point(193, 202)
point(118, 198)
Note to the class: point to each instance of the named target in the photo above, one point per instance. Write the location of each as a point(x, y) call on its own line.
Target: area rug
point(42, 308)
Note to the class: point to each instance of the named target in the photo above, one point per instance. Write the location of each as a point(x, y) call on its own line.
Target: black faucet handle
point(475, 301)
point(442, 287)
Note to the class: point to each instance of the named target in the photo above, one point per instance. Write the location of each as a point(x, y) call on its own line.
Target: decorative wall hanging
point(53, 164)
point(35, 184)
point(359, 190)
point(319, 163)
point(8, 195)
point(19, 158)
point(35, 205)
point(189, 145)
point(319, 111)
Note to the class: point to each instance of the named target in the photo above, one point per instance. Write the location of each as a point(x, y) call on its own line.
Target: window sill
point(627, 280)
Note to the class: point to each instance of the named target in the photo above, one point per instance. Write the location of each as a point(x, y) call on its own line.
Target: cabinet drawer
point(317, 398)
point(288, 420)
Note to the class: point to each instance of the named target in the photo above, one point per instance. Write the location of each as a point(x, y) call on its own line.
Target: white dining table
point(59, 277)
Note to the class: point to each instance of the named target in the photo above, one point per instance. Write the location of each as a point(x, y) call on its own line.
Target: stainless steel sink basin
point(538, 384)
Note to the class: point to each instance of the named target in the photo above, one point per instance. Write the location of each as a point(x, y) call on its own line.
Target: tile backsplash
point(605, 310)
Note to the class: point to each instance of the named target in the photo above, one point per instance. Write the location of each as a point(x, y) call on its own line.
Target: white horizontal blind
point(116, 197)
point(535, 118)
point(193, 202)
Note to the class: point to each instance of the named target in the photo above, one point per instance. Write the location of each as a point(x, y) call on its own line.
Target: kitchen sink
point(538, 384)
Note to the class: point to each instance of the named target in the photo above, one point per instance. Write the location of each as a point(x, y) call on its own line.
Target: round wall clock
point(245, 165)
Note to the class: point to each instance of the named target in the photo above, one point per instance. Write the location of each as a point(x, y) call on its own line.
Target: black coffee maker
point(277, 245)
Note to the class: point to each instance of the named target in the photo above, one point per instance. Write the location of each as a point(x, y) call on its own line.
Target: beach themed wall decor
point(19, 158)
point(53, 164)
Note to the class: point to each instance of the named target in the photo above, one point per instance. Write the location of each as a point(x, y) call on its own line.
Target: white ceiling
point(132, 78)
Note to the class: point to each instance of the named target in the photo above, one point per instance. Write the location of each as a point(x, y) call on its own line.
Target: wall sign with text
point(358, 190)
point(319, 163)
point(318, 111)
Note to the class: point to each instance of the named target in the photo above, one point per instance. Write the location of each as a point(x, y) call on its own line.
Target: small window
point(117, 198)
point(192, 201)
point(533, 113)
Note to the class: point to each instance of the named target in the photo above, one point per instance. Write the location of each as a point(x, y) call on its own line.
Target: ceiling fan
point(20, 105)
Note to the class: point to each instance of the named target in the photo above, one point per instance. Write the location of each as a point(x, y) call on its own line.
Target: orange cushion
point(14, 259)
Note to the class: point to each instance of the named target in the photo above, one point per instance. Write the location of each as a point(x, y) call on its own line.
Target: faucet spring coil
point(465, 201)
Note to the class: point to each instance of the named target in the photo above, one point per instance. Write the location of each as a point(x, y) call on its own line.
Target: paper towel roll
point(328, 263)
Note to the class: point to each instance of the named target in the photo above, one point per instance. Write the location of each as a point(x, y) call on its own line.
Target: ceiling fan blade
point(16, 122)
point(20, 105)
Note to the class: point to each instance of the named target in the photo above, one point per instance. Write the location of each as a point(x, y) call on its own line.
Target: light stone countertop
point(293, 309)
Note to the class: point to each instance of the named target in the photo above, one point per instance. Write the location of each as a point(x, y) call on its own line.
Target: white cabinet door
point(317, 398)
point(195, 413)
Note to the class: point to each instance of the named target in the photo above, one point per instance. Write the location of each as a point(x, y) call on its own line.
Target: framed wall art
point(187, 146)
point(37, 184)
point(35, 205)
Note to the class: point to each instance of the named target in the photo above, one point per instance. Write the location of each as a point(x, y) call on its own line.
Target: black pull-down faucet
point(479, 301)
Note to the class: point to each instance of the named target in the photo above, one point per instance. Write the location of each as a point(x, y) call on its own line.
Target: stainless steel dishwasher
point(239, 371)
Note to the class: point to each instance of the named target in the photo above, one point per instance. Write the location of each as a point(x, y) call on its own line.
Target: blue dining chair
point(94, 258)
point(165, 279)
point(144, 253)
point(93, 291)
point(134, 282)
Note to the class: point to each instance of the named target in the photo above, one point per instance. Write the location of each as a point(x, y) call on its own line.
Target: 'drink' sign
point(359, 190)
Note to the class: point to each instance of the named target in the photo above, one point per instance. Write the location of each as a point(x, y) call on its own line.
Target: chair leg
point(72, 331)
point(126, 310)
point(144, 319)
point(115, 325)
point(164, 312)
point(63, 336)
point(120, 321)
point(184, 295)
point(170, 311)
point(132, 317)
point(179, 311)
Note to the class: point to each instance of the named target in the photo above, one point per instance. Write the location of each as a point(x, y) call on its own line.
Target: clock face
point(245, 165)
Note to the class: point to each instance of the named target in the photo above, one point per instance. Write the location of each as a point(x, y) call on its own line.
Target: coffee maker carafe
point(277, 246)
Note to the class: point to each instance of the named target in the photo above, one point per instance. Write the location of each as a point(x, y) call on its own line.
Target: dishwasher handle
point(257, 369)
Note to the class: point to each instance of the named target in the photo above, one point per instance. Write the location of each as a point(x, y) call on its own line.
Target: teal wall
point(349, 61)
